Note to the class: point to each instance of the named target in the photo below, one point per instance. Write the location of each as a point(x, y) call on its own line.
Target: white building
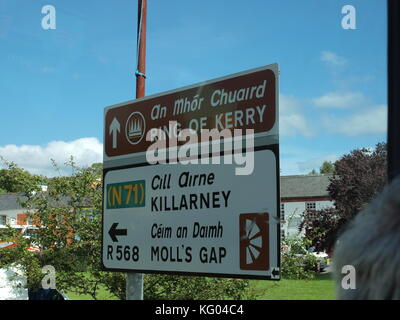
point(11, 211)
point(298, 194)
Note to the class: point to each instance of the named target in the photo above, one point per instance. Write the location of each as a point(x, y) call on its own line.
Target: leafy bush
point(171, 287)
point(174, 287)
point(297, 262)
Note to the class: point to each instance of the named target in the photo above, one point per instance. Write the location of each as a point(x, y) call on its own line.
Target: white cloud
point(332, 59)
point(36, 159)
point(368, 121)
point(291, 119)
point(341, 100)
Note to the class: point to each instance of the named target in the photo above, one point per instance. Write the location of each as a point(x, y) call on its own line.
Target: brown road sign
point(241, 101)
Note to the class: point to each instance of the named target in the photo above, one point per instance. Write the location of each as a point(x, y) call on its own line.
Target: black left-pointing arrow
point(114, 232)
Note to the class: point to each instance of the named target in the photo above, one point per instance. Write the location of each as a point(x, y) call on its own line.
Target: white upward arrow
point(114, 129)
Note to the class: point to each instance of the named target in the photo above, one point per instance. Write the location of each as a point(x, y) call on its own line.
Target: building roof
point(305, 186)
point(9, 201)
point(297, 186)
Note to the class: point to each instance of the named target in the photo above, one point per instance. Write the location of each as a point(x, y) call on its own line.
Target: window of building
point(312, 215)
point(311, 209)
point(311, 206)
point(282, 212)
point(3, 219)
point(282, 235)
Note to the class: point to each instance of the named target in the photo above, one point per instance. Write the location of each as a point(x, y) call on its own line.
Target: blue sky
point(54, 84)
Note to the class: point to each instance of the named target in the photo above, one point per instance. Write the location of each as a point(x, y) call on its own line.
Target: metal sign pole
point(134, 281)
point(393, 89)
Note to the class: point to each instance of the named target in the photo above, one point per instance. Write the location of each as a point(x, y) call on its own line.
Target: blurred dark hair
point(371, 243)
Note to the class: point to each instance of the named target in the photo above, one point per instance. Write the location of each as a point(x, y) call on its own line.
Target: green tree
point(358, 178)
point(327, 167)
point(68, 217)
point(69, 220)
point(17, 180)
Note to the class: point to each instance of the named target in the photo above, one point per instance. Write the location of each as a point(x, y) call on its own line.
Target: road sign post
point(134, 281)
point(195, 216)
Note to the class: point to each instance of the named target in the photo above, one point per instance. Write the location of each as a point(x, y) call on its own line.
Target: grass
point(321, 288)
point(103, 295)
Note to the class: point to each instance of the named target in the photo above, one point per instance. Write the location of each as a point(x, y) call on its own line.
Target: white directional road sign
point(192, 218)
